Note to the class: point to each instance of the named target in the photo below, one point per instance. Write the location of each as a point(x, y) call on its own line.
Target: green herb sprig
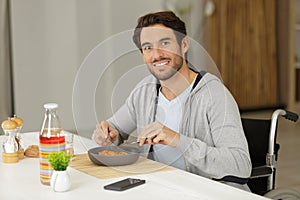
point(59, 160)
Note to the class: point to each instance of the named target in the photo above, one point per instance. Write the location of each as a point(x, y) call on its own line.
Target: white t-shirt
point(169, 113)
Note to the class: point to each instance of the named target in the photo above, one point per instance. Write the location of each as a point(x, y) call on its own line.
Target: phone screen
point(124, 184)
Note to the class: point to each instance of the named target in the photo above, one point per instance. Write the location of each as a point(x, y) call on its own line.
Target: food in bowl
point(115, 160)
point(112, 153)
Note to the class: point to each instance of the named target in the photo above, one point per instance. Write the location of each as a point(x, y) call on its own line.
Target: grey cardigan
point(211, 135)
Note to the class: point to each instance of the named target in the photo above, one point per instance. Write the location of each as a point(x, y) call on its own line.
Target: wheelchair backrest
point(257, 133)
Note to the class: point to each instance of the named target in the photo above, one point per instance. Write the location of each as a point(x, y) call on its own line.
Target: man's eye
point(165, 43)
point(146, 48)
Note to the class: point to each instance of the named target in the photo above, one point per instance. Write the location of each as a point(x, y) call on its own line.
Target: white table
point(21, 181)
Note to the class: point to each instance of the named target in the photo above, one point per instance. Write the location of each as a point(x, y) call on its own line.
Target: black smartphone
point(124, 184)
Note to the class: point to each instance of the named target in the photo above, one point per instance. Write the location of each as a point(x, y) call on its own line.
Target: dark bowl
point(131, 157)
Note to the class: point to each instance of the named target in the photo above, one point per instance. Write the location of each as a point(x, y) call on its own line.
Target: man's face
point(161, 51)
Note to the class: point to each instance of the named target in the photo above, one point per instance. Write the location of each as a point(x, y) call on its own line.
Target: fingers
point(159, 138)
point(104, 134)
point(100, 138)
point(149, 132)
point(168, 138)
point(113, 133)
point(104, 126)
point(148, 139)
point(156, 133)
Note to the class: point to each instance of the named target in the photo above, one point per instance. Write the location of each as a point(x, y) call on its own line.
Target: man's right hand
point(104, 134)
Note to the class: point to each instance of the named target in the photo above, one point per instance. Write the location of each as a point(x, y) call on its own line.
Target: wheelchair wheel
point(283, 194)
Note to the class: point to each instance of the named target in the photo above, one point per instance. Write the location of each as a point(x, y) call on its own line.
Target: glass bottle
point(10, 145)
point(51, 140)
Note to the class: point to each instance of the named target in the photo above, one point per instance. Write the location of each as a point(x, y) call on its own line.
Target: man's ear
point(185, 45)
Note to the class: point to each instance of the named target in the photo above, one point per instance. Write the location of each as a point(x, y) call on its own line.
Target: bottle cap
point(50, 105)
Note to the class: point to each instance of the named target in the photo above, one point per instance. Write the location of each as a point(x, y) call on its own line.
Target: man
point(182, 117)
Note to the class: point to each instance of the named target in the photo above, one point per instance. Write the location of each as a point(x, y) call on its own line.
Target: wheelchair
point(261, 136)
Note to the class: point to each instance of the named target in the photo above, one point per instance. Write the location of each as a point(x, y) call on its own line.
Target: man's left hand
point(157, 133)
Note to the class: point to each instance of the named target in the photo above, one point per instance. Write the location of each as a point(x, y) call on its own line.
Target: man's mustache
point(160, 59)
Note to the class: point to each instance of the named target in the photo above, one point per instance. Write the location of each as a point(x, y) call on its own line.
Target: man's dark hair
point(166, 18)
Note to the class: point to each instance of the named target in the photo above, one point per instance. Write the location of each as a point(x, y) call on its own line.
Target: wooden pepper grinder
point(10, 146)
point(18, 137)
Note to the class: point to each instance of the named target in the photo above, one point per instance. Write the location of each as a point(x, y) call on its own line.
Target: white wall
point(51, 38)
point(45, 58)
point(5, 85)
point(104, 20)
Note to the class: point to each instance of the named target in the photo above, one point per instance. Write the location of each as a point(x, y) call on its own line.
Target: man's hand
point(104, 134)
point(156, 133)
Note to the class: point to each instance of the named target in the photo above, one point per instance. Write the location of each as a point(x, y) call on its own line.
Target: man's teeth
point(160, 64)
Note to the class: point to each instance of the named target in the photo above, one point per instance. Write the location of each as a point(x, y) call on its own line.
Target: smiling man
point(183, 118)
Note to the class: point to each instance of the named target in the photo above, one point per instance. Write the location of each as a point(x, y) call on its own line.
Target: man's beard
point(171, 71)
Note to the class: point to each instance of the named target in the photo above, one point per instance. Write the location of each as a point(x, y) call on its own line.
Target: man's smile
point(161, 63)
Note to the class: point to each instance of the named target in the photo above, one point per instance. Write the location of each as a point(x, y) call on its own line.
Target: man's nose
point(157, 53)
